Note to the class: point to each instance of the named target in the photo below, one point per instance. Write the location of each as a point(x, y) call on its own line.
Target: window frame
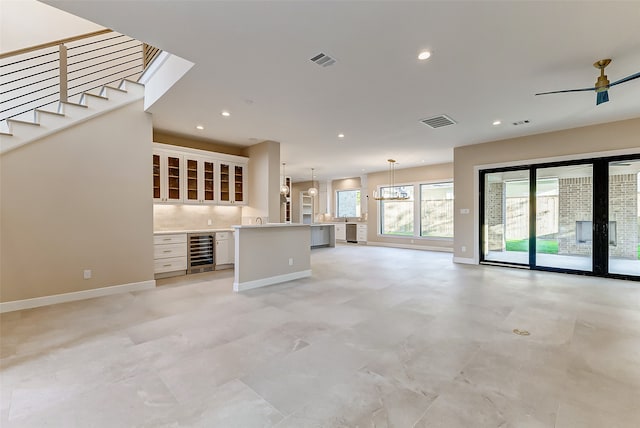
point(417, 198)
point(453, 212)
point(358, 207)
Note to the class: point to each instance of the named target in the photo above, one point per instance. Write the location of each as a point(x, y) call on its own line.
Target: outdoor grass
point(545, 246)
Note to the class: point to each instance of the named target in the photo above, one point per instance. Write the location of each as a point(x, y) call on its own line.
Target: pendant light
point(312, 190)
point(284, 189)
point(394, 192)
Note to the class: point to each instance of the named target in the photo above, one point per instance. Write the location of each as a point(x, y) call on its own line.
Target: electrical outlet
point(464, 249)
point(87, 274)
point(464, 210)
point(413, 241)
point(209, 222)
point(291, 261)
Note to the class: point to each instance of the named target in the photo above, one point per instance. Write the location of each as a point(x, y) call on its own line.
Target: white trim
point(179, 150)
point(154, 67)
point(410, 247)
point(35, 302)
point(248, 285)
point(465, 260)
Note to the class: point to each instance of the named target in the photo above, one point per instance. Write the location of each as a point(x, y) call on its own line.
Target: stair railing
point(61, 70)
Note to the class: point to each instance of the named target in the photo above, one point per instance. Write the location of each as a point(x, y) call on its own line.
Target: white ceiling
point(488, 59)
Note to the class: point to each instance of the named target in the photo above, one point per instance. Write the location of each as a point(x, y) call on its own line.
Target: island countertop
point(267, 225)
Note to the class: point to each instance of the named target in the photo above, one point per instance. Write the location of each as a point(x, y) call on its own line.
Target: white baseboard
point(35, 302)
point(248, 285)
point(410, 247)
point(464, 260)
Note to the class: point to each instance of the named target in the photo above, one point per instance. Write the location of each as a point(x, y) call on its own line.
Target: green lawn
point(546, 246)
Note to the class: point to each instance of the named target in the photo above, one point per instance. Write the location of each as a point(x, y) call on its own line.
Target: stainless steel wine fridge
point(201, 256)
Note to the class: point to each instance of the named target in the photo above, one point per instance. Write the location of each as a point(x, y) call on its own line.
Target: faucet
point(259, 220)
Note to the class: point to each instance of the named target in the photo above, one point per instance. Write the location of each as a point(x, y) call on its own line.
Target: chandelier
point(392, 192)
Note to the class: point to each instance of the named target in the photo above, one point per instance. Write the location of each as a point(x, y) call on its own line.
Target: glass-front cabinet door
point(199, 180)
point(232, 183)
point(167, 177)
point(238, 183)
point(225, 183)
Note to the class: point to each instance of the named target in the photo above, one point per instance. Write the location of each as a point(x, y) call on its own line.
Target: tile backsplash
point(189, 217)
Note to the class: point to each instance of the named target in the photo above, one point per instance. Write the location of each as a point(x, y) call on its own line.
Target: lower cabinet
point(225, 249)
point(362, 233)
point(341, 232)
point(170, 254)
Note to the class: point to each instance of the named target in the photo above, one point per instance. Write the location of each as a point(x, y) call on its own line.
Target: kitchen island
point(271, 253)
point(323, 235)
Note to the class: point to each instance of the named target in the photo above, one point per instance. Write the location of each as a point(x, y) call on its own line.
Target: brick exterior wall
point(623, 209)
point(576, 204)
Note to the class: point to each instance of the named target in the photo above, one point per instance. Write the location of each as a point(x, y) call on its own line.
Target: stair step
point(114, 88)
point(22, 122)
point(49, 112)
point(101, 97)
point(69, 103)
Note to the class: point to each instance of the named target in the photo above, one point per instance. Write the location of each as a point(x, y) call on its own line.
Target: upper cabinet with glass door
point(167, 177)
point(233, 183)
point(200, 183)
point(193, 176)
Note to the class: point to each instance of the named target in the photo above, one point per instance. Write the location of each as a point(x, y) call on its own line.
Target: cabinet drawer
point(170, 265)
point(362, 227)
point(170, 239)
point(221, 236)
point(361, 236)
point(169, 250)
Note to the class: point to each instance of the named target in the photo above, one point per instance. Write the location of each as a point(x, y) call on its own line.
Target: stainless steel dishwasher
point(352, 233)
point(201, 256)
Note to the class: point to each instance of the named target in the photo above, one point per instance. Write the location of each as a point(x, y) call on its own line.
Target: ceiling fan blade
point(602, 97)
point(626, 79)
point(567, 90)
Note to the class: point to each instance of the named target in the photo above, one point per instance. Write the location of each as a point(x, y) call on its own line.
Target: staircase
point(50, 87)
point(41, 122)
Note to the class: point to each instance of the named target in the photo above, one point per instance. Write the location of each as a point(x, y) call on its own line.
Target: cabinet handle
point(167, 239)
point(166, 265)
point(166, 251)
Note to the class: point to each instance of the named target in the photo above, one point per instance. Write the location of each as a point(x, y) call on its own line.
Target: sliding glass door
point(564, 217)
point(624, 217)
point(506, 217)
point(574, 216)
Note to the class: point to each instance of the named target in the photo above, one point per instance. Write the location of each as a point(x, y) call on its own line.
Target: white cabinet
point(322, 236)
point(225, 248)
point(170, 253)
point(167, 176)
point(233, 184)
point(341, 232)
point(191, 176)
point(199, 180)
point(362, 233)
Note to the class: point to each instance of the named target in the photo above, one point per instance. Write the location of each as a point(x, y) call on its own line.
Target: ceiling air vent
point(521, 122)
point(323, 60)
point(438, 121)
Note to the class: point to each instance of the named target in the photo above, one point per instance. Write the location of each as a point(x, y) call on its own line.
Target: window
point(436, 210)
point(396, 217)
point(348, 203)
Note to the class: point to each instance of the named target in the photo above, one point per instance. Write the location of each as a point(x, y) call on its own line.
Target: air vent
point(323, 60)
point(521, 122)
point(438, 121)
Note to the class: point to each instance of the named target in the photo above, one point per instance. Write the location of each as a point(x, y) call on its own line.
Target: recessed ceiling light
point(340, 135)
point(424, 55)
point(496, 122)
point(225, 113)
point(200, 127)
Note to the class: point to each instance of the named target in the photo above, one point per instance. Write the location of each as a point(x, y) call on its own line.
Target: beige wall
point(422, 174)
point(264, 181)
point(26, 23)
point(160, 136)
point(78, 199)
point(598, 140)
point(264, 252)
point(194, 217)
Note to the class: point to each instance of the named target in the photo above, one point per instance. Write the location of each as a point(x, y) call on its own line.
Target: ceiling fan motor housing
point(602, 84)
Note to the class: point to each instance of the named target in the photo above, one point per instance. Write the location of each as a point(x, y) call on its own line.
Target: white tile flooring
point(378, 337)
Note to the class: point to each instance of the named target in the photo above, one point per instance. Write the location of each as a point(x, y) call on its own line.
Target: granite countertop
point(170, 232)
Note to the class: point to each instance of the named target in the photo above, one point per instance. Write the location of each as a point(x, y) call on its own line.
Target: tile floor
point(378, 337)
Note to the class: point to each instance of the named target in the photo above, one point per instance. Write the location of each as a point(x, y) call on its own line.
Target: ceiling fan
point(602, 84)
